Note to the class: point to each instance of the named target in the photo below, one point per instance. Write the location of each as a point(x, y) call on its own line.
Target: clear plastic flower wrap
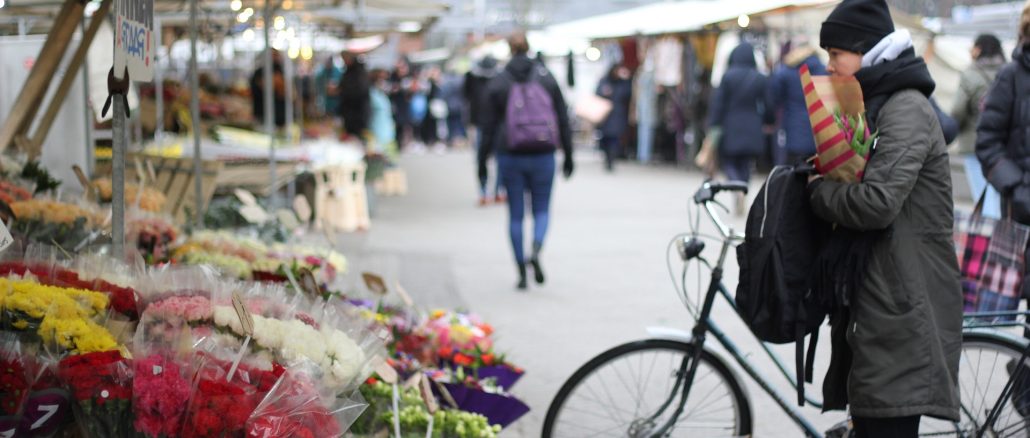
point(152, 234)
point(101, 387)
point(16, 378)
point(162, 384)
point(228, 385)
point(71, 224)
point(298, 406)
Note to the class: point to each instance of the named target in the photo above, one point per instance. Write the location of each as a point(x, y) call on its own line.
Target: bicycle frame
point(705, 325)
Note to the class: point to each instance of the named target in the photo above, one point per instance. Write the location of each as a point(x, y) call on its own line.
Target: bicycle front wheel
point(617, 392)
point(986, 364)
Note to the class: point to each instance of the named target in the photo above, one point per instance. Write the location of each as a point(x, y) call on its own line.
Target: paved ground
point(605, 260)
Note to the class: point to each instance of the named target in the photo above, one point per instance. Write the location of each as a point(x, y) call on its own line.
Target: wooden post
point(31, 95)
point(43, 129)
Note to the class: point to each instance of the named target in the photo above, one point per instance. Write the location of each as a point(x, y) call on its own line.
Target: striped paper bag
point(835, 159)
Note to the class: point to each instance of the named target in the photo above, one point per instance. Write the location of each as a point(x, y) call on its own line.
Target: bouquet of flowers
point(101, 384)
point(223, 398)
point(123, 300)
point(414, 418)
point(837, 113)
point(11, 192)
point(162, 383)
point(16, 373)
point(48, 408)
point(149, 200)
point(59, 316)
point(58, 223)
point(153, 236)
point(297, 407)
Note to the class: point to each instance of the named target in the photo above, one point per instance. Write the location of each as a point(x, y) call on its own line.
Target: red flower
point(463, 359)
point(488, 359)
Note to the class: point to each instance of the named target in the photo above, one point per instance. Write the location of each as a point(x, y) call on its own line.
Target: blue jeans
point(977, 183)
point(532, 174)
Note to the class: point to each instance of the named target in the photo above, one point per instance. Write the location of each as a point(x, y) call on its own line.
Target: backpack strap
point(803, 364)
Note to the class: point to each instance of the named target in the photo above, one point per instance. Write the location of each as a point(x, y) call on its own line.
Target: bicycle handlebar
point(705, 196)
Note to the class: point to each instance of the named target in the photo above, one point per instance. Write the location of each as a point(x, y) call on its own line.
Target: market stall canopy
point(362, 16)
point(672, 17)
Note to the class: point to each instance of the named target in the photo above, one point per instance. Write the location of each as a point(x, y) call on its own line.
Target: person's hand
point(567, 167)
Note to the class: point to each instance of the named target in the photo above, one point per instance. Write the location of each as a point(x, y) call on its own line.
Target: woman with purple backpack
point(524, 121)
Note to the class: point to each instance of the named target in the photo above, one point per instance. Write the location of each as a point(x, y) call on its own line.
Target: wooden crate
point(175, 178)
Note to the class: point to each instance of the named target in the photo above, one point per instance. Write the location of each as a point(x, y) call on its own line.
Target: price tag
point(427, 395)
point(5, 237)
point(447, 397)
point(404, 295)
point(413, 381)
point(374, 283)
point(245, 197)
point(302, 208)
point(386, 372)
point(308, 283)
point(246, 321)
point(86, 184)
point(254, 214)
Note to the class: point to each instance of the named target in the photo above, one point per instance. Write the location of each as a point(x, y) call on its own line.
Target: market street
point(606, 273)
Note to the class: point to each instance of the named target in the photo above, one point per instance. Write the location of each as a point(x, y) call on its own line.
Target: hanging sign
point(134, 45)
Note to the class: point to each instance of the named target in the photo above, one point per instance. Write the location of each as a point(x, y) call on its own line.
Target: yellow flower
point(65, 314)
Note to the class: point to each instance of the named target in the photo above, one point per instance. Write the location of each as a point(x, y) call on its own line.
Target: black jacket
point(257, 95)
point(496, 104)
point(1004, 129)
point(619, 92)
point(355, 100)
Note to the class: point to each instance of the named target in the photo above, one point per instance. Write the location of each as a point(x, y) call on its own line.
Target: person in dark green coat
point(905, 328)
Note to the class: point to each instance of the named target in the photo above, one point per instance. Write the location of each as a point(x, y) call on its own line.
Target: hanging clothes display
point(646, 107)
point(668, 53)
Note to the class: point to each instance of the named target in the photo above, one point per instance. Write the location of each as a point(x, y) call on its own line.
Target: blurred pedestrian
point(400, 99)
point(737, 117)
point(896, 352)
point(525, 121)
point(326, 80)
point(451, 91)
point(436, 109)
point(617, 87)
point(973, 86)
point(354, 96)
point(381, 121)
point(787, 97)
point(257, 90)
point(476, 81)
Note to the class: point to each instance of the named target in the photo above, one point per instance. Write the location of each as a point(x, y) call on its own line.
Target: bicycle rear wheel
point(614, 393)
point(984, 368)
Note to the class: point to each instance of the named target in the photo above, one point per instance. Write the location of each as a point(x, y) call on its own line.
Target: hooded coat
point(739, 102)
point(785, 94)
point(905, 328)
point(1003, 134)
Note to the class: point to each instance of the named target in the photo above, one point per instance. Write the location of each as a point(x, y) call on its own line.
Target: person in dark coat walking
point(355, 103)
point(617, 87)
point(525, 171)
point(786, 96)
point(476, 81)
point(903, 332)
point(257, 91)
point(738, 113)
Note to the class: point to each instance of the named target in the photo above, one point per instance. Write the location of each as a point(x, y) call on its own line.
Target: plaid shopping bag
point(972, 236)
point(1001, 279)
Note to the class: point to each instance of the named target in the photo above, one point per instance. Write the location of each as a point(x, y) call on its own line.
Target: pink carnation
point(191, 309)
point(160, 395)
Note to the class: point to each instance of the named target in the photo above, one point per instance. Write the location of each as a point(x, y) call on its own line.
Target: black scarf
point(881, 81)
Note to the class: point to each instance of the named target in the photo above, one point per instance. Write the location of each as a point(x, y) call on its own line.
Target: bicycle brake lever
point(724, 208)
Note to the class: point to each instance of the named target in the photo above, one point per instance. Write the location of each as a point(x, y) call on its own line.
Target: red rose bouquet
point(48, 408)
point(220, 404)
point(101, 385)
point(295, 408)
point(15, 382)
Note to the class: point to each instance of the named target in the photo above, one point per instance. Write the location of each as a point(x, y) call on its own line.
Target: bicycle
point(673, 367)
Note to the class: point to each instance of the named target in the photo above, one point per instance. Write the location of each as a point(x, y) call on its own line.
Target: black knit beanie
point(856, 25)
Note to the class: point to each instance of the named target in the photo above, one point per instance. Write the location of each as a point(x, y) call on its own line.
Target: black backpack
point(781, 245)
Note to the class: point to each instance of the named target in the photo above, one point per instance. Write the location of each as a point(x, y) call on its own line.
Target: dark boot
point(538, 272)
point(522, 278)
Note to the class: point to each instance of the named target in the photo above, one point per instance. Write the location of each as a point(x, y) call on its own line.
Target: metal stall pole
point(269, 104)
point(118, 176)
point(88, 113)
point(291, 188)
point(198, 184)
point(159, 86)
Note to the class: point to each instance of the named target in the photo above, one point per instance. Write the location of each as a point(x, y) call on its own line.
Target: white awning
point(671, 17)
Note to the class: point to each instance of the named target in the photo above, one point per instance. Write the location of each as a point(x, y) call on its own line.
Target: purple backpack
point(530, 118)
